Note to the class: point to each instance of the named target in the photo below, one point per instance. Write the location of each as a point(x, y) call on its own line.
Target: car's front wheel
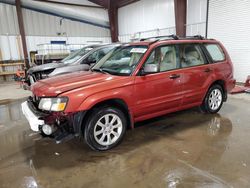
point(213, 100)
point(105, 128)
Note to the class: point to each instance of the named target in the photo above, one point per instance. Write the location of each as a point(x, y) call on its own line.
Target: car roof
point(105, 46)
point(93, 45)
point(172, 39)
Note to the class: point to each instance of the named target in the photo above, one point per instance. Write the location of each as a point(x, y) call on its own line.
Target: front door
point(159, 92)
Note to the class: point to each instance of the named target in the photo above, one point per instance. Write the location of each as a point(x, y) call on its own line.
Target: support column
point(22, 32)
point(113, 20)
point(180, 17)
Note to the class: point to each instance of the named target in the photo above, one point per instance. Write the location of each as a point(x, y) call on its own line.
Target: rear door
point(159, 92)
point(197, 74)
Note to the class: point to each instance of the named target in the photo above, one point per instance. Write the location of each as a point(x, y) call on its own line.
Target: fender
point(123, 94)
point(120, 93)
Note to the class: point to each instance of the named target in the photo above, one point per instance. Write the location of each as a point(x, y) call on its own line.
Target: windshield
point(122, 61)
point(76, 55)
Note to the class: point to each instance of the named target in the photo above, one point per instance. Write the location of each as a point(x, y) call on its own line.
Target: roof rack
point(175, 37)
point(199, 37)
point(195, 37)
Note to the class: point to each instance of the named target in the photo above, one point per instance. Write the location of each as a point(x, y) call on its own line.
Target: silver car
point(80, 60)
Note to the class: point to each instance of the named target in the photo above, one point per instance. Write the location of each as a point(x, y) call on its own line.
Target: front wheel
point(105, 128)
point(213, 100)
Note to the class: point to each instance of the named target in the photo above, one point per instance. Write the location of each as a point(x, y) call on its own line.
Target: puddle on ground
point(10, 110)
point(184, 149)
point(13, 128)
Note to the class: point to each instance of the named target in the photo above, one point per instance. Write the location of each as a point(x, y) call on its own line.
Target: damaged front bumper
point(61, 127)
point(33, 119)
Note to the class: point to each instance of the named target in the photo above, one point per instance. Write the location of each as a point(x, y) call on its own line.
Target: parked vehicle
point(133, 83)
point(53, 51)
point(80, 60)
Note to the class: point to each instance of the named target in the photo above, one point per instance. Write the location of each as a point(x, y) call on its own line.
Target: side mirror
point(149, 69)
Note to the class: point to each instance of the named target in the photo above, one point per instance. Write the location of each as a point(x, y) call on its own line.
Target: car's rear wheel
point(105, 128)
point(213, 100)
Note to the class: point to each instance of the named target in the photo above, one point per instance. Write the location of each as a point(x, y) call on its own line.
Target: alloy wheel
point(108, 129)
point(215, 99)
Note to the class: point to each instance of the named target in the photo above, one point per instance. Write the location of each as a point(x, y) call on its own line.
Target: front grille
point(32, 79)
point(42, 74)
point(35, 100)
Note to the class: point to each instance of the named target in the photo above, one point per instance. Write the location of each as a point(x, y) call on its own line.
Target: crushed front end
point(34, 76)
point(45, 115)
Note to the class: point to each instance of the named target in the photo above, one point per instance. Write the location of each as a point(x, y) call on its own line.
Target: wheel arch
point(221, 83)
point(115, 102)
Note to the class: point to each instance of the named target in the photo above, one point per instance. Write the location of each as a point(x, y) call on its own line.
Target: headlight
point(53, 104)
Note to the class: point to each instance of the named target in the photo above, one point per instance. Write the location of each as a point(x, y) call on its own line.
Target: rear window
point(215, 52)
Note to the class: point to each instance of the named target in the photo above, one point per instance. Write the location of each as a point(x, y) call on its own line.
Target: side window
point(168, 58)
point(192, 56)
point(164, 58)
point(215, 52)
point(90, 59)
point(102, 52)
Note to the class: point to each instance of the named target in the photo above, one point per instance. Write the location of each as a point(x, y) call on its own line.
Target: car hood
point(69, 69)
point(59, 84)
point(44, 67)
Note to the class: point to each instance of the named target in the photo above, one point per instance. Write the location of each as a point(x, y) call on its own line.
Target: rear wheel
point(213, 100)
point(105, 128)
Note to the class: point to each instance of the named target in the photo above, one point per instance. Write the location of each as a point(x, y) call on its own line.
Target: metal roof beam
point(122, 3)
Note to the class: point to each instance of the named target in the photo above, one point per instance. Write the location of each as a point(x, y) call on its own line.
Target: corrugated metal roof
point(40, 24)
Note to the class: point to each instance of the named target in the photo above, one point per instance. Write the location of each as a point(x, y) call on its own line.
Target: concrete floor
point(12, 90)
point(184, 149)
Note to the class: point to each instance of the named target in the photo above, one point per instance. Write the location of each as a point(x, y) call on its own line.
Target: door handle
point(207, 70)
point(174, 76)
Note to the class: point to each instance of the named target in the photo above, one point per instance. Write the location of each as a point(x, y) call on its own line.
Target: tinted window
point(215, 52)
point(101, 53)
point(73, 57)
point(191, 56)
point(97, 55)
point(164, 57)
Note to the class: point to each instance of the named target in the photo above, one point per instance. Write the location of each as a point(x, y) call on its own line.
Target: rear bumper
point(230, 85)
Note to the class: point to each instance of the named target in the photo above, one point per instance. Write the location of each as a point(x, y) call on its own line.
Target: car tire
point(105, 128)
point(213, 100)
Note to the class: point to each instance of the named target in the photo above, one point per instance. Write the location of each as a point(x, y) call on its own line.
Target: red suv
point(134, 82)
